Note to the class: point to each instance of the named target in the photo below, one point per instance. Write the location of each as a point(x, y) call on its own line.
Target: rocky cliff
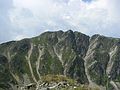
point(93, 61)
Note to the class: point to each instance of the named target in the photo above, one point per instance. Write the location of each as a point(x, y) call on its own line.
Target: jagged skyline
point(27, 18)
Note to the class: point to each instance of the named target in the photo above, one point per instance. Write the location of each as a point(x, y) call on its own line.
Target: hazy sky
point(27, 18)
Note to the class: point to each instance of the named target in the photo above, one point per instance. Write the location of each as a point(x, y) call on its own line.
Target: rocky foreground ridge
point(91, 61)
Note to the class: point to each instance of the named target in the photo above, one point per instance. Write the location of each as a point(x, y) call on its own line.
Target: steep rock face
point(77, 70)
point(64, 47)
point(102, 60)
point(50, 53)
point(89, 60)
point(5, 76)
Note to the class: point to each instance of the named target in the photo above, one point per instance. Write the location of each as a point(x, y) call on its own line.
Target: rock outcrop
point(93, 61)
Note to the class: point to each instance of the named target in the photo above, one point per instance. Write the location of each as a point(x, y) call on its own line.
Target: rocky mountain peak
point(93, 61)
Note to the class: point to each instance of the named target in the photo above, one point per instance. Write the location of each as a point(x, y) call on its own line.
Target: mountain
point(92, 61)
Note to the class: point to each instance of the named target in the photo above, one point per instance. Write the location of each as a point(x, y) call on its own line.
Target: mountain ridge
point(59, 31)
point(89, 60)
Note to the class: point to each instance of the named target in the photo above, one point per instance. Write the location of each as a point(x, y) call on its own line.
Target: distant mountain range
point(92, 61)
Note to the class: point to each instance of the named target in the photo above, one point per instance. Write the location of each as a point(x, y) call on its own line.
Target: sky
point(27, 18)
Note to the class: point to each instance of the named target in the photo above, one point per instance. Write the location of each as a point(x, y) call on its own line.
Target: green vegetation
point(58, 78)
point(73, 85)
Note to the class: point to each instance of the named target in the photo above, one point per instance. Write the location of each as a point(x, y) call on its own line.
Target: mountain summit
point(92, 61)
